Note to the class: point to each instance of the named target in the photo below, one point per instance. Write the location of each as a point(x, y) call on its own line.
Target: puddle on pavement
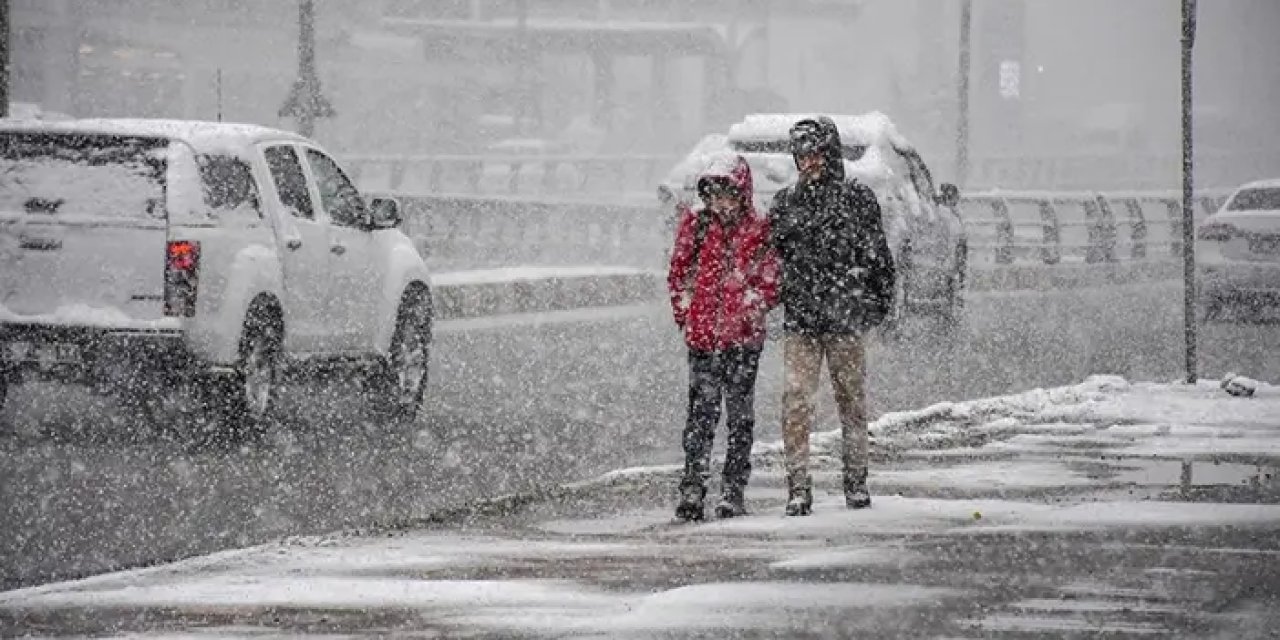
point(1169, 472)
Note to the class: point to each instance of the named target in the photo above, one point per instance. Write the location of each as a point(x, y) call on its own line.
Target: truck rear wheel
point(895, 323)
point(4, 388)
point(953, 309)
point(241, 405)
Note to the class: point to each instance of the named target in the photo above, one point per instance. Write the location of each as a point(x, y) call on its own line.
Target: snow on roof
point(872, 129)
point(199, 134)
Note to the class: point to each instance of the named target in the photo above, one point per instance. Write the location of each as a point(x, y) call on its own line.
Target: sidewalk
point(1043, 514)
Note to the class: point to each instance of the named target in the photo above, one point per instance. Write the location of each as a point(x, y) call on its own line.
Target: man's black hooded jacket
point(837, 270)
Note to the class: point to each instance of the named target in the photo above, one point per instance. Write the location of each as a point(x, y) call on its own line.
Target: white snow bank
point(347, 592)
point(848, 557)
point(720, 607)
point(626, 523)
point(1038, 405)
point(524, 274)
point(1106, 411)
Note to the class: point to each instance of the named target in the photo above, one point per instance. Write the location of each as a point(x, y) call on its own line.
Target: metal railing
point(1052, 228)
point(1004, 229)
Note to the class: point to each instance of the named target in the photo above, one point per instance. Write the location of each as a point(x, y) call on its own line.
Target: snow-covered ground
point(627, 570)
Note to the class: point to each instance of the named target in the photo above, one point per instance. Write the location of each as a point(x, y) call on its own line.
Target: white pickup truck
point(150, 256)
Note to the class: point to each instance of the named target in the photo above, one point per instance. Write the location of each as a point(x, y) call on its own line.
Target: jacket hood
point(735, 168)
point(831, 145)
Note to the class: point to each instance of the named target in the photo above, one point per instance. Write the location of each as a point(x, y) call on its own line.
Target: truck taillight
point(181, 278)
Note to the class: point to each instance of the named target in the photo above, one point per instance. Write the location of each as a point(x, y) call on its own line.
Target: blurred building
point(651, 76)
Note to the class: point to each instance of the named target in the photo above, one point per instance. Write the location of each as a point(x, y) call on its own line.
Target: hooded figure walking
point(837, 284)
point(723, 279)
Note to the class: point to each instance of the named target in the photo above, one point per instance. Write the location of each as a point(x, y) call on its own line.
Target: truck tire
point(241, 405)
point(895, 324)
point(4, 388)
point(399, 383)
point(953, 307)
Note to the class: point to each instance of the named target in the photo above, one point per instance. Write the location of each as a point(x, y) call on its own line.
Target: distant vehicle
point(922, 220)
point(140, 256)
point(1238, 253)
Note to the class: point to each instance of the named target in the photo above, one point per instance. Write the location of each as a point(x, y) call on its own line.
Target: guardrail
point(1051, 228)
point(1018, 241)
point(1004, 228)
point(512, 174)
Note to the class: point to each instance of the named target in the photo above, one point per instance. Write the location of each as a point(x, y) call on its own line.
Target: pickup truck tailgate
point(82, 228)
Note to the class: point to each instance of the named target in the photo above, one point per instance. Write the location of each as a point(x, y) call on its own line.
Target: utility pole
point(5, 40)
point(962, 117)
point(523, 83)
point(1188, 192)
point(305, 101)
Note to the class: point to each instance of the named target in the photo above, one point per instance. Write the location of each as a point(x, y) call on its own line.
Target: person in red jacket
point(723, 280)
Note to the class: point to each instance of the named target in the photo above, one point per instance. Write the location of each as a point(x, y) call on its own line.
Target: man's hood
point(831, 146)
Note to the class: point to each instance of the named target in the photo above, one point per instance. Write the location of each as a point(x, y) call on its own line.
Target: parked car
point(922, 220)
point(1238, 252)
point(140, 256)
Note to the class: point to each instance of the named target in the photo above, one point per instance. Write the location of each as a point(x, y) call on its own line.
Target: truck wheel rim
point(411, 361)
point(259, 377)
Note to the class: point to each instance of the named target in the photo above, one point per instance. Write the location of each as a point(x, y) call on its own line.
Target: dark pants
point(728, 375)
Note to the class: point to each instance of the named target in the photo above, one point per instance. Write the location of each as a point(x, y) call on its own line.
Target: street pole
point(962, 118)
point(5, 38)
point(523, 93)
point(307, 63)
point(305, 102)
point(1188, 192)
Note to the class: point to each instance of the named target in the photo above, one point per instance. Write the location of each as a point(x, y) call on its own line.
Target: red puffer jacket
point(720, 296)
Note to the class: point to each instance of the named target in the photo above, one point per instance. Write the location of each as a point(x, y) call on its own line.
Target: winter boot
point(732, 502)
point(692, 493)
point(800, 490)
point(856, 495)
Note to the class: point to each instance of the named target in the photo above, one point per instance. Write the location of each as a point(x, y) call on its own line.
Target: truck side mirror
point(385, 213)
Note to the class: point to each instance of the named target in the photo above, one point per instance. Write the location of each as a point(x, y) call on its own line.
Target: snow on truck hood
point(773, 171)
point(871, 129)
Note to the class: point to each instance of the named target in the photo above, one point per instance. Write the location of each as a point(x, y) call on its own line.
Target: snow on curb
point(948, 421)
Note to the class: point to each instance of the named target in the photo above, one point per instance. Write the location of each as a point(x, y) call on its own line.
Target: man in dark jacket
point(837, 283)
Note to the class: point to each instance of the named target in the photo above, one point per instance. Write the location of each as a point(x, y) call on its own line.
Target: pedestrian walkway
point(1057, 513)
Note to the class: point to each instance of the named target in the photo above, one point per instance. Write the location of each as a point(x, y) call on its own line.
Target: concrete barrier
point(491, 293)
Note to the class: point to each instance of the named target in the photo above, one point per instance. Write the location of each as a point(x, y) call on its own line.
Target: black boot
point(800, 490)
point(856, 495)
point(732, 502)
point(692, 492)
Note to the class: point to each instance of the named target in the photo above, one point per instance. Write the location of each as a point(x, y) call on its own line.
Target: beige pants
point(845, 358)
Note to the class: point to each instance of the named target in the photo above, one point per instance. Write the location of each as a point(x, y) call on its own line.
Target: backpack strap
point(699, 238)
